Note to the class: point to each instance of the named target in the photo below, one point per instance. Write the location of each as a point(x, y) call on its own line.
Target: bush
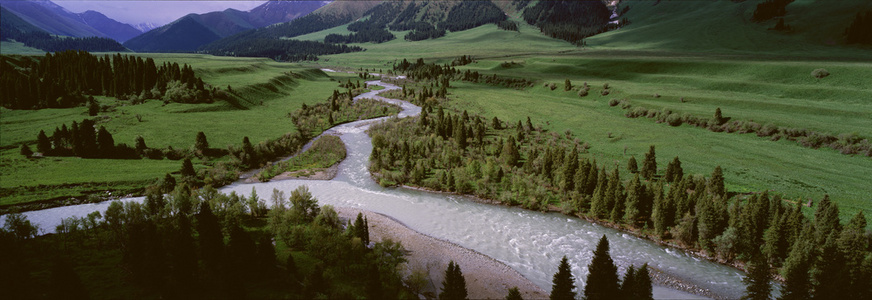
point(605, 92)
point(582, 93)
point(820, 73)
point(674, 120)
point(637, 112)
point(613, 102)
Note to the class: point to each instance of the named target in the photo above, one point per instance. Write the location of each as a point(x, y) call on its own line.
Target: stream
point(530, 242)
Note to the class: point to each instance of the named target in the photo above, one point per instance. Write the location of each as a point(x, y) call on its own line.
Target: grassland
point(267, 92)
point(680, 49)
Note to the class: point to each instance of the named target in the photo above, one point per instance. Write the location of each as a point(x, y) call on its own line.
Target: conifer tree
point(649, 165)
point(188, 168)
point(514, 294)
point(643, 290)
point(628, 285)
point(634, 211)
point(826, 219)
point(454, 285)
point(201, 143)
point(716, 183)
point(25, 150)
point(563, 284)
point(43, 144)
point(571, 167)
point(509, 153)
point(673, 171)
point(632, 167)
point(757, 286)
point(831, 276)
point(602, 279)
point(797, 283)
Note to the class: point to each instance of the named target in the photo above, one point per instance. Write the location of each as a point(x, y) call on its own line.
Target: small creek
point(530, 242)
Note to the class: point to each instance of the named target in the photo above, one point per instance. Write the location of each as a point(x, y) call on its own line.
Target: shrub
point(582, 93)
point(605, 92)
point(820, 73)
point(552, 86)
point(637, 112)
point(673, 120)
point(767, 130)
point(613, 102)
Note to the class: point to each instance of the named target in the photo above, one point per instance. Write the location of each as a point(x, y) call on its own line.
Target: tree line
point(860, 30)
point(278, 49)
point(46, 42)
point(522, 164)
point(61, 79)
point(202, 244)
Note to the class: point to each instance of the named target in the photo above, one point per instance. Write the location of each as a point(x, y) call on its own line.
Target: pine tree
point(673, 171)
point(43, 144)
point(25, 150)
point(716, 183)
point(567, 85)
point(563, 287)
point(649, 165)
point(643, 289)
point(454, 285)
point(514, 294)
point(831, 276)
point(188, 168)
point(632, 167)
point(509, 154)
point(826, 219)
point(571, 167)
point(602, 280)
point(757, 286)
point(797, 283)
point(628, 285)
point(634, 213)
point(201, 143)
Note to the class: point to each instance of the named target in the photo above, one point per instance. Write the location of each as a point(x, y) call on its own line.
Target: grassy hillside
point(726, 27)
point(271, 89)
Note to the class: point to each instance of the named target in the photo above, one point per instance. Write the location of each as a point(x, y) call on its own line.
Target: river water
point(528, 241)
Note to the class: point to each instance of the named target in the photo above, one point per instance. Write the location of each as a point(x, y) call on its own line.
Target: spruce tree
point(563, 287)
point(826, 219)
point(634, 211)
point(25, 150)
point(831, 276)
point(201, 143)
point(632, 166)
point(43, 144)
point(716, 183)
point(643, 289)
point(757, 282)
point(188, 168)
point(797, 282)
point(628, 285)
point(649, 165)
point(514, 294)
point(673, 171)
point(454, 285)
point(602, 280)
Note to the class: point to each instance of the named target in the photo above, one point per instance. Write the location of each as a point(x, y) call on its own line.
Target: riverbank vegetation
point(326, 151)
point(202, 244)
point(519, 163)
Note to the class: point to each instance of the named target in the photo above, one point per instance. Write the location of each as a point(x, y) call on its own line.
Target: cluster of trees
point(860, 31)
point(568, 20)
point(419, 70)
point(524, 165)
point(602, 281)
point(82, 140)
point(470, 14)
point(770, 9)
point(43, 41)
point(203, 244)
point(846, 143)
point(508, 25)
point(61, 79)
point(278, 49)
point(339, 108)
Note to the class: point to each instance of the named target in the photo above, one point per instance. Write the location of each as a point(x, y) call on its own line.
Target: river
point(531, 242)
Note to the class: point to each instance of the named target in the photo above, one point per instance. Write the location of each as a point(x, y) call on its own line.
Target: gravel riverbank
point(486, 278)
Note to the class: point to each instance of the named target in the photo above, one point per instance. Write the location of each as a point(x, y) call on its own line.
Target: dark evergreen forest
point(568, 20)
point(62, 79)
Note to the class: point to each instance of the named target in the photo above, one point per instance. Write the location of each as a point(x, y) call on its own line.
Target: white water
point(530, 242)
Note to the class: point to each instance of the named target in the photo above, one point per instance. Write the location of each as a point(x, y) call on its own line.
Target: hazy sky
point(160, 12)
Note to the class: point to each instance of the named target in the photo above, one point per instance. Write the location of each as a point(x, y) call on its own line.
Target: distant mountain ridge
point(55, 19)
point(194, 30)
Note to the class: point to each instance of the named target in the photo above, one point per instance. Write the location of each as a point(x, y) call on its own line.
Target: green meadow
point(266, 91)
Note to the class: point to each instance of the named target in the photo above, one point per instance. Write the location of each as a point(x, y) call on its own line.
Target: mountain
point(11, 23)
point(55, 19)
point(118, 31)
point(145, 27)
point(194, 30)
point(52, 18)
